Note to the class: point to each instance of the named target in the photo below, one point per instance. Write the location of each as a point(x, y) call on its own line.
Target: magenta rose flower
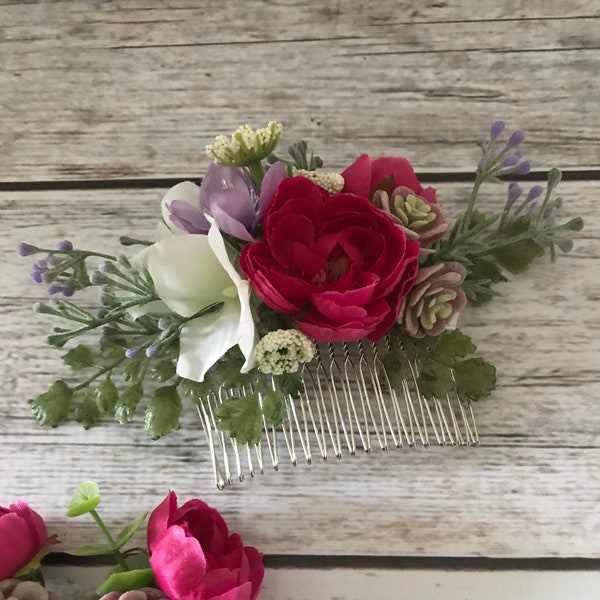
point(23, 535)
point(336, 264)
point(364, 176)
point(194, 557)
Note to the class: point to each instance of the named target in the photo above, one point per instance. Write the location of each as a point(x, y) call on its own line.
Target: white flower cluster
point(245, 146)
point(332, 183)
point(283, 351)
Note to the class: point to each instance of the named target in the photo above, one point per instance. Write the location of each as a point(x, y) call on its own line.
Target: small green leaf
point(110, 349)
point(162, 412)
point(107, 395)
point(453, 344)
point(396, 366)
point(80, 357)
point(127, 403)
point(86, 410)
point(517, 257)
point(475, 379)
point(272, 408)
point(132, 368)
point(163, 370)
point(289, 384)
point(85, 499)
point(196, 389)
point(227, 370)
point(91, 550)
point(52, 407)
point(242, 418)
point(126, 581)
point(129, 530)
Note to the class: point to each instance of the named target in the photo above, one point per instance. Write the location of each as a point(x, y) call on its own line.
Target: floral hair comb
point(300, 310)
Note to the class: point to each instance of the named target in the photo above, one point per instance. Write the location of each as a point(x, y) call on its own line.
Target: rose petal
point(159, 519)
point(179, 564)
point(17, 547)
point(357, 177)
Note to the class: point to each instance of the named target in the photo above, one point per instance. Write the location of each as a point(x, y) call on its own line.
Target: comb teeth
point(347, 406)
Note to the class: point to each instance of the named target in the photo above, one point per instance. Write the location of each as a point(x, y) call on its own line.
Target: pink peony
point(194, 557)
point(23, 534)
point(336, 264)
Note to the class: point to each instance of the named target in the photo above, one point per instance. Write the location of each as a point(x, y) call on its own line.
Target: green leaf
point(80, 357)
point(289, 384)
point(481, 276)
point(127, 403)
point(86, 410)
point(52, 407)
point(126, 581)
point(241, 416)
point(110, 349)
point(129, 530)
point(133, 368)
point(395, 364)
point(162, 412)
point(91, 550)
point(196, 389)
point(435, 380)
point(517, 257)
point(273, 408)
point(452, 344)
point(475, 379)
point(85, 499)
point(163, 370)
point(227, 370)
point(107, 395)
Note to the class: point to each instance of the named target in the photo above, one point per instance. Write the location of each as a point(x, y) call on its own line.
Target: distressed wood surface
point(136, 89)
point(92, 91)
point(532, 489)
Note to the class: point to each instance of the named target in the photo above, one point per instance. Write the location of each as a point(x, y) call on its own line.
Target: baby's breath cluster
point(332, 183)
point(283, 351)
point(245, 146)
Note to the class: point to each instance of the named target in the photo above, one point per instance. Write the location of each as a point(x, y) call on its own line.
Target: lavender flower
point(496, 129)
point(25, 249)
point(228, 195)
point(65, 246)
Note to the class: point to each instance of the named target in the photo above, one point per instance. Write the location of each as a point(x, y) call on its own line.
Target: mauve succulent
point(433, 303)
point(420, 219)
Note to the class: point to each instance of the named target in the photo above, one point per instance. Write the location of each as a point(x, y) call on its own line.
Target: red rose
point(338, 265)
point(364, 176)
point(194, 557)
point(23, 535)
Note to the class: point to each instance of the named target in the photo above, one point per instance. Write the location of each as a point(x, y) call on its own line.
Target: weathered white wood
point(100, 90)
point(531, 490)
point(74, 583)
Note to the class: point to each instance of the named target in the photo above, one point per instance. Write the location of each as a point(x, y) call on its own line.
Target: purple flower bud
point(68, 292)
point(514, 192)
point(152, 350)
point(36, 276)
point(64, 245)
point(531, 207)
point(511, 160)
point(515, 139)
point(41, 265)
point(549, 214)
point(535, 192)
point(53, 289)
point(565, 245)
point(53, 261)
point(523, 168)
point(164, 323)
point(497, 129)
point(25, 249)
point(132, 352)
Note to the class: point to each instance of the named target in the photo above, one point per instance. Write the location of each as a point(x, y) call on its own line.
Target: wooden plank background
point(92, 93)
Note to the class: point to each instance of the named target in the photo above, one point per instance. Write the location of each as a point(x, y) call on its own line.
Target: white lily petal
point(186, 273)
point(205, 340)
point(186, 191)
point(247, 337)
point(156, 307)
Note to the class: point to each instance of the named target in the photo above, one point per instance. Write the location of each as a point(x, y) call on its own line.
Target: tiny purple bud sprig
point(63, 269)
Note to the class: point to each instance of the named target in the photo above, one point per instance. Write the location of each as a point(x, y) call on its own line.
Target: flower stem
point(120, 558)
point(257, 173)
point(471, 205)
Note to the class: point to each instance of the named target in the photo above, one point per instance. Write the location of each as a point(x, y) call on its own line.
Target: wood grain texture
point(125, 90)
point(531, 490)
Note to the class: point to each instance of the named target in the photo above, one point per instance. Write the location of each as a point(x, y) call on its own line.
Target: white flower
point(283, 351)
point(185, 192)
point(191, 273)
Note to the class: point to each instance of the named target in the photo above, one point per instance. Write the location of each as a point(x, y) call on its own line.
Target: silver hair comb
point(347, 406)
